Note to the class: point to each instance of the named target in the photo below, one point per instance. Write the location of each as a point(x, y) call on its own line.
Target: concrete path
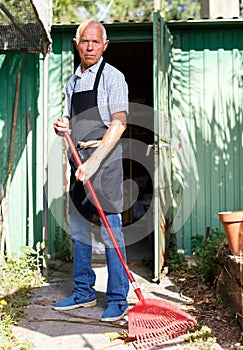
point(81, 328)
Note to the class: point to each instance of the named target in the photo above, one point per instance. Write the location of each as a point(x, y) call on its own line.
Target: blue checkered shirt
point(112, 90)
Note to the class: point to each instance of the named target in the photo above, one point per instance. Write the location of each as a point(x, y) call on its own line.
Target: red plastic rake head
point(153, 322)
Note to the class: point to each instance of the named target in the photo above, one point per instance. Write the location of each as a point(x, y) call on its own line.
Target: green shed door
point(162, 176)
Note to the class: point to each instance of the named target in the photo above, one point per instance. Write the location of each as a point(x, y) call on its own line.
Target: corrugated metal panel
point(10, 63)
point(207, 105)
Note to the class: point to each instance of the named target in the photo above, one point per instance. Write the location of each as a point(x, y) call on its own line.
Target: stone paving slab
point(81, 328)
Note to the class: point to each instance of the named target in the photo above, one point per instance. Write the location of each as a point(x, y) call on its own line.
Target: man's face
point(91, 45)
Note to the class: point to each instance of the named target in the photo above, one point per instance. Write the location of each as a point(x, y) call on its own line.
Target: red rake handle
point(104, 219)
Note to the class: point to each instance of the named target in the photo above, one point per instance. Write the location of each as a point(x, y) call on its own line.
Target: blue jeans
point(83, 274)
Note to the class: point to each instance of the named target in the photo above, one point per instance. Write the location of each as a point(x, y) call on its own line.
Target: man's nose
point(90, 45)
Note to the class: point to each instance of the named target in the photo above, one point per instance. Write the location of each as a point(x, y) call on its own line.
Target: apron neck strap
point(99, 74)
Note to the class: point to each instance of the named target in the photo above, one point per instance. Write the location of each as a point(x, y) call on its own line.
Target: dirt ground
point(209, 310)
point(81, 328)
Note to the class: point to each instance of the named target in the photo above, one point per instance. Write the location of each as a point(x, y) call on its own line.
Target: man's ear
point(106, 44)
point(75, 42)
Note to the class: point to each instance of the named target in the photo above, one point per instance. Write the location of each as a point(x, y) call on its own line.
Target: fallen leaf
point(117, 335)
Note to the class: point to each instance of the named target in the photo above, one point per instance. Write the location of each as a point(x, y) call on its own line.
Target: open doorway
point(135, 61)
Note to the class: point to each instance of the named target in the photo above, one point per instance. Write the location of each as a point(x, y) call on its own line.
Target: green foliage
point(175, 259)
point(180, 9)
point(63, 246)
point(148, 261)
point(231, 312)
point(205, 254)
point(18, 275)
point(67, 11)
point(202, 337)
point(22, 10)
point(18, 272)
point(38, 255)
point(136, 11)
point(219, 301)
point(8, 341)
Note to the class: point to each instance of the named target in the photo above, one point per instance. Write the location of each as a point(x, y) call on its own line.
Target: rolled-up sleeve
point(118, 94)
point(112, 94)
point(68, 97)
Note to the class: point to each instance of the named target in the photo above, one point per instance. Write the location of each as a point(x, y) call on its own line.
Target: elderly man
point(95, 112)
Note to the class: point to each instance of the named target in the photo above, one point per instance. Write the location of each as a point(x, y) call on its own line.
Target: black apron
point(86, 124)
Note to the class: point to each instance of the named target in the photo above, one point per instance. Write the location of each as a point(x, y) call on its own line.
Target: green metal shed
point(190, 73)
point(188, 76)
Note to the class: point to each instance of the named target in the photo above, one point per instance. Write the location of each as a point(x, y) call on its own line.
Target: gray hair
point(85, 24)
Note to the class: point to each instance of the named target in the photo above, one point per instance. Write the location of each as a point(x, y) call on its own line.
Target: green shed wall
point(207, 104)
point(61, 65)
point(29, 102)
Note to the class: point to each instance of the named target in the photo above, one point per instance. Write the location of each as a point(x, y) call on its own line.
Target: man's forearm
point(111, 137)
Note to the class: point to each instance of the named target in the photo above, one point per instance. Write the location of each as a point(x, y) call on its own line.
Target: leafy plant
point(175, 258)
point(202, 337)
point(148, 261)
point(205, 254)
point(231, 312)
point(63, 246)
point(18, 275)
point(39, 256)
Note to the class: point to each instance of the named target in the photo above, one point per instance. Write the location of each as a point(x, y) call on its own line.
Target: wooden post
point(6, 234)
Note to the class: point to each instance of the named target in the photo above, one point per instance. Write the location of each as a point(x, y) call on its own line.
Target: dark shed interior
point(135, 60)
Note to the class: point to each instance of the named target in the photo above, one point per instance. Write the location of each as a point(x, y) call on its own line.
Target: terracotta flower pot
point(233, 227)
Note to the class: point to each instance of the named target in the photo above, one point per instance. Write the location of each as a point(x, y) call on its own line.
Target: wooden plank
point(229, 280)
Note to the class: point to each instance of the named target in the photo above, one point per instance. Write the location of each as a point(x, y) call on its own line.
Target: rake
point(152, 322)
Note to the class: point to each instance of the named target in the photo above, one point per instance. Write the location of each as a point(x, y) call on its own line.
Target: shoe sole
point(71, 307)
point(112, 319)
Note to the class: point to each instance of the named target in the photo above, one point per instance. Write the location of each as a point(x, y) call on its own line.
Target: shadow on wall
point(208, 88)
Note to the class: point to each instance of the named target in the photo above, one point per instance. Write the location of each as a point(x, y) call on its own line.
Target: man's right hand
point(61, 126)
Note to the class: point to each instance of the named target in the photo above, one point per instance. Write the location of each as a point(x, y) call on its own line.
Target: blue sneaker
point(73, 302)
point(114, 312)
